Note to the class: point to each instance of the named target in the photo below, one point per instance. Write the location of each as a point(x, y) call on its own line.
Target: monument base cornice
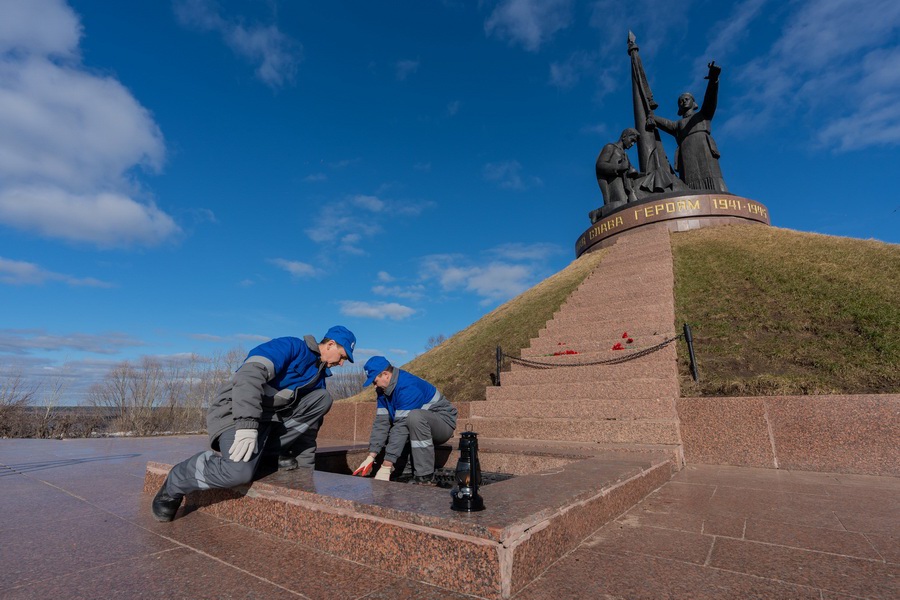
point(681, 211)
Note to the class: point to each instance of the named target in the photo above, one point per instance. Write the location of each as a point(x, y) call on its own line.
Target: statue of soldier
point(697, 156)
point(614, 171)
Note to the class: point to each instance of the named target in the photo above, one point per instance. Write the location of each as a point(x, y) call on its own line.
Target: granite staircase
point(631, 404)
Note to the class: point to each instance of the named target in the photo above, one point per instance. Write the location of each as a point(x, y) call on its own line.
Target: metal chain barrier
point(534, 364)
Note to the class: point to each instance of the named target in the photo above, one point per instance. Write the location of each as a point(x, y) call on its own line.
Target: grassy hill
point(776, 311)
point(773, 311)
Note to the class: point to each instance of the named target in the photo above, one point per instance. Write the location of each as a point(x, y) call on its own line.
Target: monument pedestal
point(680, 211)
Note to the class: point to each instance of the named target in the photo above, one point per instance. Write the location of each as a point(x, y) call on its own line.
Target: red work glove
point(365, 467)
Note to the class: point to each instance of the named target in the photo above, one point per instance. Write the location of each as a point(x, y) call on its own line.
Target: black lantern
point(468, 475)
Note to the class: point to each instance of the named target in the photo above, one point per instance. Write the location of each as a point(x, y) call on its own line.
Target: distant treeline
point(148, 397)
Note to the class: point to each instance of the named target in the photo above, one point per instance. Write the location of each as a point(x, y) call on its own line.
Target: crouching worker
point(409, 408)
point(273, 404)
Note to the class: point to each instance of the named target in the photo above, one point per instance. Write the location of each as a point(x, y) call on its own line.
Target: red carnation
point(618, 346)
point(624, 335)
point(630, 341)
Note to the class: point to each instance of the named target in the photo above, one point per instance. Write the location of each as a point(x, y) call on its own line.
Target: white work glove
point(365, 467)
point(384, 473)
point(244, 445)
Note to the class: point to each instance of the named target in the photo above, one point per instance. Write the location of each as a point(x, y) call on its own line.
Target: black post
point(499, 364)
point(690, 344)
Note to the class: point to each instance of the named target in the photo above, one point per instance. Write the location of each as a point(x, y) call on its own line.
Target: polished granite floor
point(75, 524)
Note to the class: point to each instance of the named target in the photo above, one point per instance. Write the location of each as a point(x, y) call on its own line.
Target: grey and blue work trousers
point(295, 435)
point(426, 428)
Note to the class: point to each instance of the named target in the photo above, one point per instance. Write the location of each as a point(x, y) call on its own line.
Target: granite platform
point(75, 523)
point(560, 493)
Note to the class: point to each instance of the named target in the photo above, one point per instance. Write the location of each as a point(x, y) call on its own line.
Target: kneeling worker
point(274, 404)
point(409, 408)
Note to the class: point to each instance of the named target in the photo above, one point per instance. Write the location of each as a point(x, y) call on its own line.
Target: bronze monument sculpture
point(697, 157)
point(614, 171)
point(694, 197)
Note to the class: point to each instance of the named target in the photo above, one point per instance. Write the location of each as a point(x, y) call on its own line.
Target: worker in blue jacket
point(408, 409)
point(274, 404)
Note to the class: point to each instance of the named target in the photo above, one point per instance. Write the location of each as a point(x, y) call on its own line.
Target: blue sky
point(190, 176)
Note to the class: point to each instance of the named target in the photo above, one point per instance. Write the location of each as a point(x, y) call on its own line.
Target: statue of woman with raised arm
point(697, 156)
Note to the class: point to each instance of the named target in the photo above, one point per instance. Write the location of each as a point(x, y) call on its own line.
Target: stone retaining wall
point(843, 434)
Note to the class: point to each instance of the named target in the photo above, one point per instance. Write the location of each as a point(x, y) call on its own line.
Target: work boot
point(425, 480)
point(165, 506)
point(287, 463)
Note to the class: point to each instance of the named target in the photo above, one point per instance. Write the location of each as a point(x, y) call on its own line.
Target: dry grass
point(776, 311)
point(461, 366)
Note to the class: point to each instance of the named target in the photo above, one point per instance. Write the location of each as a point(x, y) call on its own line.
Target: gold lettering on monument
point(756, 209)
point(727, 204)
point(605, 226)
point(669, 208)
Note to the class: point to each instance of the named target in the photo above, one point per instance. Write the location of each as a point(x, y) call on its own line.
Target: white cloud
point(24, 341)
point(376, 310)
point(70, 137)
point(493, 282)
point(405, 68)
point(275, 54)
point(412, 292)
point(529, 23)
point(835, 63)
point(508, 175)
point(344, 222)
point(371, 203)
point(507, 271)
point(385, 277)
point(650, 24)
point(567, 73)
point(728, 34)
point(295, 267)
point(316, 177)
point(425, 167)
point(453, 108)
point(526, 252)
point(16, 272)
point(106, 219)
point(54, 28)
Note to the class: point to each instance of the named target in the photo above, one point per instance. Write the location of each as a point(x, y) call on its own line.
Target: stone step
point(662, 363)
point(645, 431)
point(594, 408)
point(490, 554)
point(637, 307)
point(608, 330)
point(561, 390)
point(541, 347)
point(613, 296)
point(638, 256)
point(655, 314)
point(615, 280)
point(611, 299)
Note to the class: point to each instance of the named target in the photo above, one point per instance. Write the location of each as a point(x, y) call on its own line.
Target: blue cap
point(344, 337)
point(374, 366)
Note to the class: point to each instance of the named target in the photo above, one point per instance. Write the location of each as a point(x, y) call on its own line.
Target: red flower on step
point(630, 341)
point(624, 335)
point(560, 343)
point(618, 346)
point(564, 352)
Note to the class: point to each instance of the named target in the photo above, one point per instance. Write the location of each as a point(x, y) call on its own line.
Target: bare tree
point(346, 382)
point(46, 418)
point(434, 341)
point(16, 395)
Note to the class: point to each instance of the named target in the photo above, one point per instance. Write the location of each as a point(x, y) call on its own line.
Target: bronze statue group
point(696, 158)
